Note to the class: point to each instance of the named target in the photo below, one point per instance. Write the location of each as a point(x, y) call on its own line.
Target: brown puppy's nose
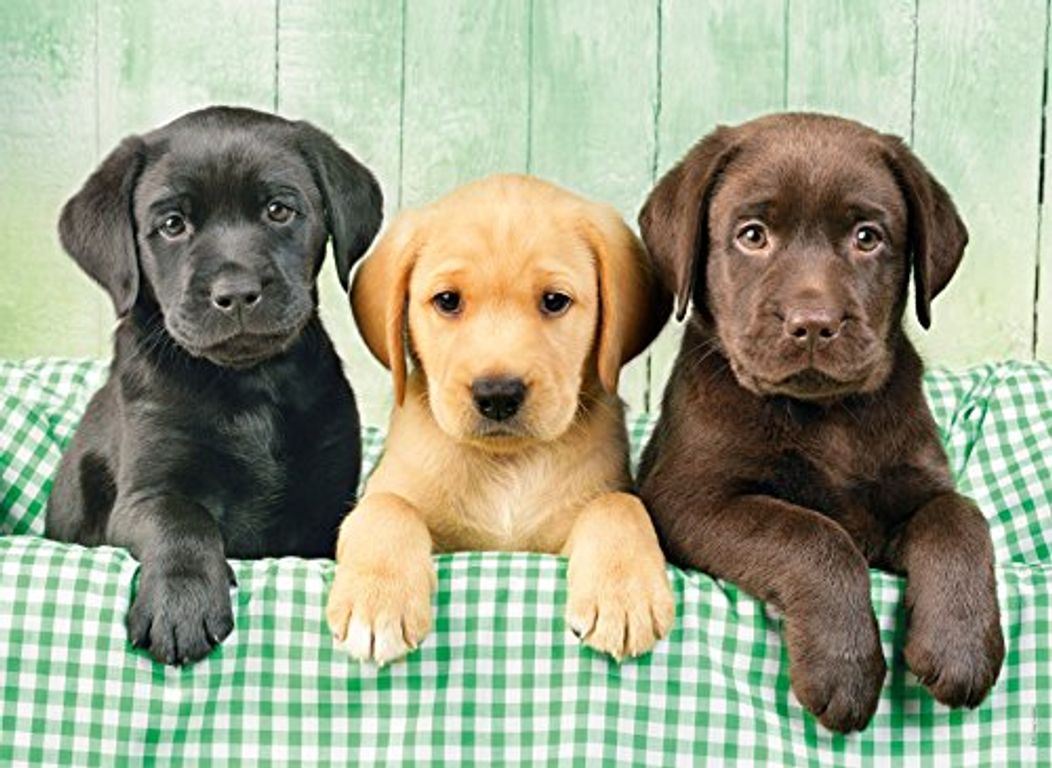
point(809, 327)
point(498, 397)
point(230, 294)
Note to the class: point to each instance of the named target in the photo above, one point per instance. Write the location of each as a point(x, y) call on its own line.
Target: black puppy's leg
point(954, 645)
point(808, 566)
point(182, 607)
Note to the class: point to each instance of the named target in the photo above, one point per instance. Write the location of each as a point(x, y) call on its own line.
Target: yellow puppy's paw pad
point(623, 611)
point(380, 615)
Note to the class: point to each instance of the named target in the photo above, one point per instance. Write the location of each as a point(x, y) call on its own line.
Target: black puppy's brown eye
point(447, 302)
point(278, 212)
point(867, 239)
point(555, 303)
point(752, 237)
point(173, 225)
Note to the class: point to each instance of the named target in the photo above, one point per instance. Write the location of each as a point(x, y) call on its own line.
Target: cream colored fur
point(557, 481)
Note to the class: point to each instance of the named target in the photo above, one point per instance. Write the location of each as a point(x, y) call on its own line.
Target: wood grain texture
point(466, 94)
point(593, 108)
point(340, 66)
point(719, 65)
point(47, 86)
point(600, 96)
point(853, 58)
point(977, 126)
point(1043, 304)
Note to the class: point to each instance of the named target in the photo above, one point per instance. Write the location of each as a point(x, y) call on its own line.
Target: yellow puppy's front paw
point(381, 613)
point(620, 607)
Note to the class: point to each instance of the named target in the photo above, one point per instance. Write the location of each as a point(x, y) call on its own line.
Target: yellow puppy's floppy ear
point(633, 307)
point(379, 294)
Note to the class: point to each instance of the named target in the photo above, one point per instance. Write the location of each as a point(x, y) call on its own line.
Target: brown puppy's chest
point(868, 462)
point(847, 475)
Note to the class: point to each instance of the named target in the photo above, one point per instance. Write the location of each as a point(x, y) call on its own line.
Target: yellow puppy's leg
point(380, 601)
point(620, 601)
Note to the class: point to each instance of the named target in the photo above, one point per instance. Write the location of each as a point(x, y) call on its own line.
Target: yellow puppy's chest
point(522, 506)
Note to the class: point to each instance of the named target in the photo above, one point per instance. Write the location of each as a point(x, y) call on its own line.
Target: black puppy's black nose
point(498, 398)
point(229, 294)
point(808, 327)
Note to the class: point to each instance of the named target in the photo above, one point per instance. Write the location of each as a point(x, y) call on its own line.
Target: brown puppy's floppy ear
point(937, 235)
point(633, 306)
point(354, 204)
point(380, 292)
point(674, 219)
point(97, 225)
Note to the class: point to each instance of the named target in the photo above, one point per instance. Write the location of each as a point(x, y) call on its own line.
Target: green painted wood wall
point(601, 95)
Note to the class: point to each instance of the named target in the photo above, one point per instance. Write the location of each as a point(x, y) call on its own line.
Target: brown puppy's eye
point(867, 239)
point(554, 303)
point(173, 226)
point(752, 237)
point(447, 302)
point(278, 212)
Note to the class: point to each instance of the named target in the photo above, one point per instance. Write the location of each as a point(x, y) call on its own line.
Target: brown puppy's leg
point(808, 566)
point(954, 645)
point(619, 601)
point(380, 601)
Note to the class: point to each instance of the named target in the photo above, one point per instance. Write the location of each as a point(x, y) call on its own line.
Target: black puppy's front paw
point(957, 660)
point(179, 616)
point(837, 671)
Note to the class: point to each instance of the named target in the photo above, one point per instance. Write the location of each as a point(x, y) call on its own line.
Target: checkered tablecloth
point(500, 680)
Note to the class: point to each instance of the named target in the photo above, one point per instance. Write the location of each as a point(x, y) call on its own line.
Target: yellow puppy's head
point(515, 296)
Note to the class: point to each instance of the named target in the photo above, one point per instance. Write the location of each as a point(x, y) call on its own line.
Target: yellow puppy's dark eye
point(174, 225)
point(555, 303)
point(447, 302)
point(278, 212)
point(867, 239)
point(753, 236)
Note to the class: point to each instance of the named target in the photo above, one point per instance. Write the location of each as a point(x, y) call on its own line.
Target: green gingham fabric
point(500, 681)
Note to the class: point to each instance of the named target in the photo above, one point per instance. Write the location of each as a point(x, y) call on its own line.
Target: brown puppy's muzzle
point(808, 337)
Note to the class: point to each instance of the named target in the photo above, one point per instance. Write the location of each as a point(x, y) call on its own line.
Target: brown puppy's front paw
point(381, 612)
point(958, 661)
point(618, 606)
point(837, 674)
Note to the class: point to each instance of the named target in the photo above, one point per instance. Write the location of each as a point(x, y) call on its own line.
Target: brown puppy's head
point(794, 236)
point(515, 295)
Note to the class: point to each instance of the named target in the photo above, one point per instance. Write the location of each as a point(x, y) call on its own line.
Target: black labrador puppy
point(226, 427)
point(795, 447)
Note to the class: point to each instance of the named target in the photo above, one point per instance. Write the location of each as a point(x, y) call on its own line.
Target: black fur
point(221, 431)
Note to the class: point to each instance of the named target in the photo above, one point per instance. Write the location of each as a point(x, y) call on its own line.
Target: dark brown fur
point(795, 448)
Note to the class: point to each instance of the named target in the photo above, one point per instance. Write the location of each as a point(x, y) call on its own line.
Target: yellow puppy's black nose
point(498, 397)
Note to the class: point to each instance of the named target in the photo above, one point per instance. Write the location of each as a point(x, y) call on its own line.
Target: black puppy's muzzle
point(498, 398)
point(237, 295)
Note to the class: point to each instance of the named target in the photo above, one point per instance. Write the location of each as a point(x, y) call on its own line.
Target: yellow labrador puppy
point(516, 303)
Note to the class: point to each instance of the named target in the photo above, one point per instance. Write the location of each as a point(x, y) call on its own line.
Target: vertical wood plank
point(47, 148)
point(977, 126)
point(1043, 307)
point(720, 64)
point(340, 66)
point(156, 62)
point(594, 91)
point(853, 58)
point(466, 94)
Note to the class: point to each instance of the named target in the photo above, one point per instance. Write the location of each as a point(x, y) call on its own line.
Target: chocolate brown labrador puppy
point(795, 448)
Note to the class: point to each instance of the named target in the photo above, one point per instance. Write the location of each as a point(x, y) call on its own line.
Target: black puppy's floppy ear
point(354, 203)
point(97, 226)
point(674, 219)
point(937, 236)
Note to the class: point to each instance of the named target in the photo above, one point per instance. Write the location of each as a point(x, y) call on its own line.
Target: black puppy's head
point(794, 235)
point(219, 221)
